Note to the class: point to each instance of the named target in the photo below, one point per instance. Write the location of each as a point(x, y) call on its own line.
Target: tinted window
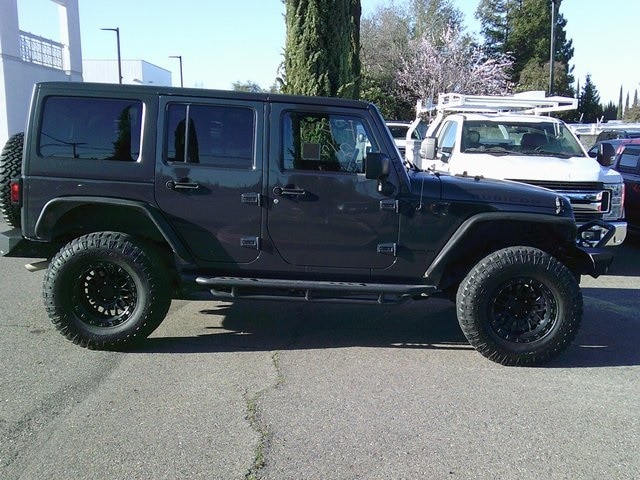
point(318, 141)
point(91, 128)
point(629, 160)
point(399, 131)
point(221, 136)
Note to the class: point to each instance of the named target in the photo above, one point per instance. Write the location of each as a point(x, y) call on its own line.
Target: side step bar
point(231, 288)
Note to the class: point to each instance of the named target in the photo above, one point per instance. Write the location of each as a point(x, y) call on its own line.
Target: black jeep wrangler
point(136, 195)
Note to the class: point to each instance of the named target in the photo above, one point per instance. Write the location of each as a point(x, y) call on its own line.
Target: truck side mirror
point(429, 148)
point(606, 154)
point(377, 166)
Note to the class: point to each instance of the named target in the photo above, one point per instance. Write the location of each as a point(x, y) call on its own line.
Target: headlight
point(617, 201)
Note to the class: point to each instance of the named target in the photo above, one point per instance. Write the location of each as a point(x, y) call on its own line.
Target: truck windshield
point(520, 138)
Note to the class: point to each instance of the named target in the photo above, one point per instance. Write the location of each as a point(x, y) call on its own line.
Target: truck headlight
point(617, 201)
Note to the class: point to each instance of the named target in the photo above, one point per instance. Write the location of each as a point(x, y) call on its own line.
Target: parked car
point(624, 155)
point(614, 133)
point(135, 195)
point(399, 132)
point(509, 138)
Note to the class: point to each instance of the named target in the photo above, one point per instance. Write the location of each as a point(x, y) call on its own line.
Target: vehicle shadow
point(607, 338)
point(276, 325)
point(626, 257)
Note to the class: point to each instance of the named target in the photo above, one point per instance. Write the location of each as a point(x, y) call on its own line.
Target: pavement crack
point(257, 422)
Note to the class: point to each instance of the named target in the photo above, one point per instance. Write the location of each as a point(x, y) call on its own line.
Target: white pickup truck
point(507, 137)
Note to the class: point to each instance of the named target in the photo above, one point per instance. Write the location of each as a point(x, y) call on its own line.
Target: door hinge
point(388, 248)
point(250, 242)
point(251, 199)
point(390, 206)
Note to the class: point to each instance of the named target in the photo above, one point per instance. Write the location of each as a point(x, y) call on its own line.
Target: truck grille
point(590, 200)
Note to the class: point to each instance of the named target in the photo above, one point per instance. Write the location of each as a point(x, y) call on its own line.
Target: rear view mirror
point(377, 166)
point(606, 154)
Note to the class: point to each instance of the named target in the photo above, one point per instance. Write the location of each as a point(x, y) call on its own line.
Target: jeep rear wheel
point(519, 306)
point(10, 167)
point(105, 291)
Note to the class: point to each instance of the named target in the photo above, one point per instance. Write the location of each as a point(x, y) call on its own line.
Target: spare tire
point(10, 167)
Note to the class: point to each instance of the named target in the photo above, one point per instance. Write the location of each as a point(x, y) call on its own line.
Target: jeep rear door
point(324, 212)
point(209, 178)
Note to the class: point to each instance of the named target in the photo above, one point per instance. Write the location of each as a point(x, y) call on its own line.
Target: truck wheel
point(10, 167)
point(519, 306)
point(105, 291)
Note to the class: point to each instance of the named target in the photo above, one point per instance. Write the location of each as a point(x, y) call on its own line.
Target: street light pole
point(179, 57)
point(117, 30)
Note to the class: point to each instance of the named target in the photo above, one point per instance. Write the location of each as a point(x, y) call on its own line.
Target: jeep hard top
point(134, 195)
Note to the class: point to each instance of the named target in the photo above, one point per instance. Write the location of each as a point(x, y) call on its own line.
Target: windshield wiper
point(549, 153)
point(495, 150)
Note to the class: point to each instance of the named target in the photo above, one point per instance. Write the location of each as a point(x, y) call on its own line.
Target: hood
point(496, 194)
point(528, 167)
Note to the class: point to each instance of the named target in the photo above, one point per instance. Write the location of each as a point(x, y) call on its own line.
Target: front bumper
point(598, 233)
point(589, 261)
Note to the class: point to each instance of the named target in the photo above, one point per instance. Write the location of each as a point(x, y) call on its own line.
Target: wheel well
point(487, 237)
point(87, 219)
point(91, 218)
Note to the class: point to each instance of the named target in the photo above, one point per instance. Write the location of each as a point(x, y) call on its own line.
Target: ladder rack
point(533, 102)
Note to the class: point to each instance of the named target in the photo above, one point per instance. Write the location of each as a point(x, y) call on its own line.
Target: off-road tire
point(10, 167)
point(106, 291)
point(519, 306)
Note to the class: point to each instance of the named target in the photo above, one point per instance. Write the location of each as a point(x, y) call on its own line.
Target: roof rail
point(533, 102)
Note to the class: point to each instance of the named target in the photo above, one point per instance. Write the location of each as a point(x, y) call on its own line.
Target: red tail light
point(15, 191)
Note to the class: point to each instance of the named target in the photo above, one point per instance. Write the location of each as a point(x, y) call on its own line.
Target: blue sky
point(224, 41)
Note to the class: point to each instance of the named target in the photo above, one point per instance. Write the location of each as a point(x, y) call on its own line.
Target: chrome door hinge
point(388, 249)
point(251, 199)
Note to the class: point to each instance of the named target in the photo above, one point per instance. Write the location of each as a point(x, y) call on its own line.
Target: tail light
point(15, 191)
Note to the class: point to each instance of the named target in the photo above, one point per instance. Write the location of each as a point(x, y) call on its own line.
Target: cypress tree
point(322, 48)
point(620, 112)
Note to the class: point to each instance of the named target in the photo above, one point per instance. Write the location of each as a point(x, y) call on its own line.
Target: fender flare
point(450, 249)
point(56, 208)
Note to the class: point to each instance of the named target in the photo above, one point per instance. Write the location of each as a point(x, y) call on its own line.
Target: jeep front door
point(324, 212)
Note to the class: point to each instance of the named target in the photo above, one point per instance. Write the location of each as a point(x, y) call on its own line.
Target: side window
point(90, 128)
point(325, 142)
point(447, 137)
point(215, 135)
point(629, 160)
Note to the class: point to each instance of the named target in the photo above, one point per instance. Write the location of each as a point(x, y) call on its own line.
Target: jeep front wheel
point(105, 291)
point(10, 168)
point(519, 306)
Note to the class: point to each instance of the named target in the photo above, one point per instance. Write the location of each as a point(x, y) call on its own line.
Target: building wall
point(19, 70)
point(133, 72)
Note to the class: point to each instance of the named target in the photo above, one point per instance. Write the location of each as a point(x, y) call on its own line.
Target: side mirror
point(606, 154)
point(429, 148)
point(377, 166)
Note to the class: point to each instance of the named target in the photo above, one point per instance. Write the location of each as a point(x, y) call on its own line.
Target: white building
point(133, 72)
point(26, 58)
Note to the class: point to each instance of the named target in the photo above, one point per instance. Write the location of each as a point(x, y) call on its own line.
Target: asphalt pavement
point(276, 390)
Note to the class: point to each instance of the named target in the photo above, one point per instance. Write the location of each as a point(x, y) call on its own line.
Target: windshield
point(521, 138)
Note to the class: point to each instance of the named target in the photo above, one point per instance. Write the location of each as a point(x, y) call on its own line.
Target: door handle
point(171, 185)
point(289, 191)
